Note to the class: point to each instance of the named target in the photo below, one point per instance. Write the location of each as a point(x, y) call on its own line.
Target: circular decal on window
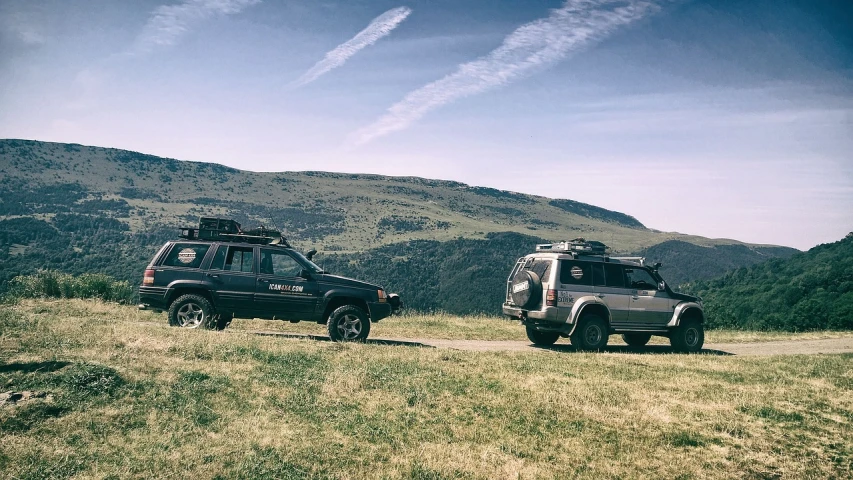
point(577, 273)
point(186, 255)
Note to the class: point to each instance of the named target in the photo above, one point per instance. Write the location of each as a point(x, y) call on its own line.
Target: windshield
point(308, 263)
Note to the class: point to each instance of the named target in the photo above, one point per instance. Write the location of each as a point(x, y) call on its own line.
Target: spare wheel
point(526, 289)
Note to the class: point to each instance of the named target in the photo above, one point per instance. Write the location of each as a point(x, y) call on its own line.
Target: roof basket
point(577, 246)
point(225, 229)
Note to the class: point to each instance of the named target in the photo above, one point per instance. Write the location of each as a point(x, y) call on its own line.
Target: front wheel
point(348, 323)
point(539, 337)
point(590, 334)
point(190, 311)
point(688, 337)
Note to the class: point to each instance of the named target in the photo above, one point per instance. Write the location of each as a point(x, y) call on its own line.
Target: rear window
point(540, 267)
point(188, 255)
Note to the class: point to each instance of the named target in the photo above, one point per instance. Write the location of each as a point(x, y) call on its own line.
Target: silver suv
point(574, 289)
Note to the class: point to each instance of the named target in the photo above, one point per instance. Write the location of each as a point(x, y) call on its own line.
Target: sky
point(726, 119)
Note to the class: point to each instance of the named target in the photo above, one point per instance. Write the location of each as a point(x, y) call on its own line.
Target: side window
point(187, 255)
point(641, 279)
point(614, 275)
point(235, 259)
point(598, 274)
point(573, 272)
point(279, 263)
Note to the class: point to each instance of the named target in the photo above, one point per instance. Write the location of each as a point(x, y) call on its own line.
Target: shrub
point(51, 284)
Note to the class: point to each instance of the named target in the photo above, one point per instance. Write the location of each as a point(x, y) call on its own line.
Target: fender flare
point(680, 309)
point(580, 305)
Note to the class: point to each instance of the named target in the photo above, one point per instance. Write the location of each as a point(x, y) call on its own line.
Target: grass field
point(129, 397)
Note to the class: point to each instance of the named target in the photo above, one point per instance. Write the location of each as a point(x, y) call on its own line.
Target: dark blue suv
point(206, 283)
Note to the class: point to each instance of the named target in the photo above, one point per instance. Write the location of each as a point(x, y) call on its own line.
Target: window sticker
point(186, 256)
point(577, 273)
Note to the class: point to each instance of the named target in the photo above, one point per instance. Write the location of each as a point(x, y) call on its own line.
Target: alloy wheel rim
point(593, 335)
point(190, 315)
point(691, 336)
point(349, 326)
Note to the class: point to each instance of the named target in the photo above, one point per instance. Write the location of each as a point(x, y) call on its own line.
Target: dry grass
point(133, 398)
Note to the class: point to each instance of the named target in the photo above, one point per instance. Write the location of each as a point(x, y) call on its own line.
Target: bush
point(51, 284)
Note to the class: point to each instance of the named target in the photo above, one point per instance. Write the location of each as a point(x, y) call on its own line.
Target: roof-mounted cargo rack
point(210, 228)
point(577, 246)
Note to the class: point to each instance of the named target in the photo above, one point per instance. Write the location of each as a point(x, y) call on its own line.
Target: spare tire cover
point(526, 289)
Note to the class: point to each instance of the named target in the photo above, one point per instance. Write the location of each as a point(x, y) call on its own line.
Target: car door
point(232, 275)
point(282, 290)
point(650, 307)
point(609, 285)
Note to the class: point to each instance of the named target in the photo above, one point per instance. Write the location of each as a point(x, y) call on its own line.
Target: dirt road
point(794, 347)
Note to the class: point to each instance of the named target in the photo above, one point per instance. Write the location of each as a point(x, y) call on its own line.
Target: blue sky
point(722, 119)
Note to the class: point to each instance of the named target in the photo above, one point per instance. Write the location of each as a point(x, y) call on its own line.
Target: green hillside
point(442, 244)
point(809, 291)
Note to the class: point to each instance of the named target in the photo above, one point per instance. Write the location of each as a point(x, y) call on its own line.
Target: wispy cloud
point(169, 22)
point(378, 28)
point(529, 49)
point(20, 23)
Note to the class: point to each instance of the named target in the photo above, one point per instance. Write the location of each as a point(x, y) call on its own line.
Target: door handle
point(635, 297)
point(263, 280)
point(600, 296)
point(211, 275)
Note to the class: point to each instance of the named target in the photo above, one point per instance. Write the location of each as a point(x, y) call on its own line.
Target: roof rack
point(577, 246)
point(210, 228)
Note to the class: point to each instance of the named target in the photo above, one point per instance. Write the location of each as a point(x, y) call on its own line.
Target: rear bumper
point(153, 298)
point(549, 314)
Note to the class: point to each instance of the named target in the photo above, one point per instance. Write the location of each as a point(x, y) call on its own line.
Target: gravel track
point(787, 347)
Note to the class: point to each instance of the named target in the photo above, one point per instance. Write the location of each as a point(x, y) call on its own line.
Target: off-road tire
point(541, 338)
point(190, 311)
point(348, 323)
point(636, 339)
point(688, 337)
point(590, 334)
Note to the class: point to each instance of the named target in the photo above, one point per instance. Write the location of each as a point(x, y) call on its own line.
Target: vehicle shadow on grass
point(323, 338)
point(646, 350)
point(29, 367)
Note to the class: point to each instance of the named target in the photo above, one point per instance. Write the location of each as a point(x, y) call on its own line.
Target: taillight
point(551, 298)
point(148, 278)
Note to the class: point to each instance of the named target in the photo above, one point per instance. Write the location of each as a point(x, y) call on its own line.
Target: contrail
point(169, 22)
point(530, 48)
point(378, 28)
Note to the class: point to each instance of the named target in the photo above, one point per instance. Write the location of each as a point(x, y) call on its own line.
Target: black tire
point(590, 334)
point(636, 339)
point(542, 338)
point(688, 337)
point(190, 311)
point(220, 321)
point(526, 289)
point(348, 323)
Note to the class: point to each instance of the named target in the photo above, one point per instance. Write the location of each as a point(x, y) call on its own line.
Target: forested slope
point(808, 291)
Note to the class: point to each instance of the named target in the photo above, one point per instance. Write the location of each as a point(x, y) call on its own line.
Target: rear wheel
point(348, 323)
point(688, 337)
point(539, 337)
point(636, 339)
point(190, 311)
point(590, 334)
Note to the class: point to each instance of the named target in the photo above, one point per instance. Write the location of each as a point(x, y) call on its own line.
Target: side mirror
point(662, 286)
point(305, 274)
